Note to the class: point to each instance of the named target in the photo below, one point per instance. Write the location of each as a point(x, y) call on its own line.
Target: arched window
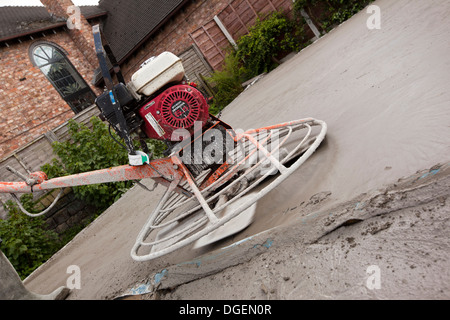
point(64, 77)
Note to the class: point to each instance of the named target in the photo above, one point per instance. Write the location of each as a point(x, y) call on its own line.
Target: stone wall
point(67, 213)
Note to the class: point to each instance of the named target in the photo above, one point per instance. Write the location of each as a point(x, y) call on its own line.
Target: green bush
point(266, 40)
point(88, 150)
point(227, 82)
point(26, 243)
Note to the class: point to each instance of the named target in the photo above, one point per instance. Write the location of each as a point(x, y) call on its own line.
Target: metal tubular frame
point(205, 218)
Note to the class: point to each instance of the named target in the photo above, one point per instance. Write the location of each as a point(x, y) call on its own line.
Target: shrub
point(88, 150)
point(266, 40)
point(26, 243)
point(227, 82)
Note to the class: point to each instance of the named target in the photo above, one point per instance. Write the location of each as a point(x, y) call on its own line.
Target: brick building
point(29, 102)
point(49, 71)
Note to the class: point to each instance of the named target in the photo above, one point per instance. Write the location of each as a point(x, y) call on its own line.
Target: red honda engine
point(178, 107)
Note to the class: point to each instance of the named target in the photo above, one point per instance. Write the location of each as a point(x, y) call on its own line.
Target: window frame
point(78, 100)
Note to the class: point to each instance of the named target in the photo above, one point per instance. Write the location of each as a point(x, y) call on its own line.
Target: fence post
point(51, 136)
point(310, 23)
point(225, 32)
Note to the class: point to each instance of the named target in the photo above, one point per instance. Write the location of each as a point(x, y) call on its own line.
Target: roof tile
point(130, 21)
point(16, 21)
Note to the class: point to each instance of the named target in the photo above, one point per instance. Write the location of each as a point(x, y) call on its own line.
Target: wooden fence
point(196, 67)
point(217, 36)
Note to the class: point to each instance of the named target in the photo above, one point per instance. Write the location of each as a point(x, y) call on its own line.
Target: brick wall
point(29, 104)
point(81, 35)
point(174, 37)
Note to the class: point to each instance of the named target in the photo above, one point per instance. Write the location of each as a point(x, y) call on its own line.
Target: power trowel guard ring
point(179, 220)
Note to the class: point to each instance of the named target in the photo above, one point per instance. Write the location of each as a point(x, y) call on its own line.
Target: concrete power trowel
point(212, 173)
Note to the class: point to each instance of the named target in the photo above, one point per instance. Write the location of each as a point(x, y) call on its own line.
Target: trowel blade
point(173, 233)
point(236, 224)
